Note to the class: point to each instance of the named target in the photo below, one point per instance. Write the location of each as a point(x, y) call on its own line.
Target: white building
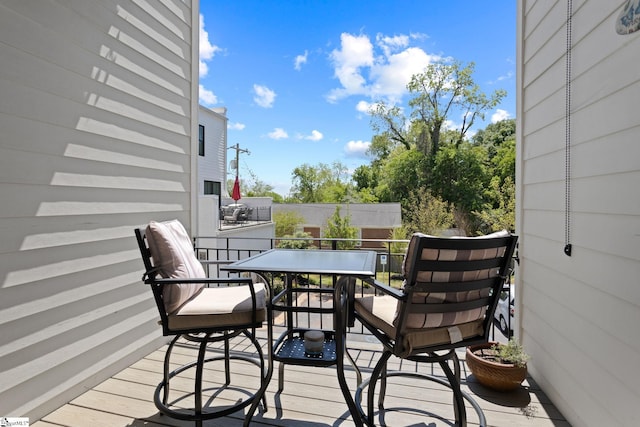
point(212, 186)
point(212, 152)
point(99, 109)
point(579, 314)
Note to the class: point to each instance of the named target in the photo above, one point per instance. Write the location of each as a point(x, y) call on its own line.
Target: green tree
point(390, 124)
point(287, 222)
point(502, 215)
point(460, 176)
point(495, 134)
point(504, 161)
point(365, 176)
point(298, 240)
point(403, 171)
point(399, 233)
point(442, 89)
point(339, 227)
point(322, 184)
point(425, 213)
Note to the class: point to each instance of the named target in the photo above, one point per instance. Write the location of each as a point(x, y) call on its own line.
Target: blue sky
point(297, 77)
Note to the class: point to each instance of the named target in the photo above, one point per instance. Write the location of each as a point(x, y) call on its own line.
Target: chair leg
point(454, 380)
point(167, 357)
point(198, 381)
point(375, 375)
point(355, 367)
point(263, 378)
point(280, 376)
point(456, 372)
point(341, 350)
point(261, 395)
point(383, 387)
point(227, 366)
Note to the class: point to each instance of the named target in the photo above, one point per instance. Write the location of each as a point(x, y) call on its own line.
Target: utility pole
point(238, 151)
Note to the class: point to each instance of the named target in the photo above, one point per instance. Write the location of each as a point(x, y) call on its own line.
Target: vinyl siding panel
point(97, 119)
point(578, 315)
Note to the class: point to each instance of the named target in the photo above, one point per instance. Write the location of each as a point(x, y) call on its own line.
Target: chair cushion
point(448, 255)
point(172, 252)
point(220, 307)
point(432, 320)
point(380, 312)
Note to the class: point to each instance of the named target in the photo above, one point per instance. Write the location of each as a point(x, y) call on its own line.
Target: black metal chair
point(201, 310)
point(450, 292)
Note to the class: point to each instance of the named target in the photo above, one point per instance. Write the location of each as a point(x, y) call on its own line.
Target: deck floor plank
point(311, 396)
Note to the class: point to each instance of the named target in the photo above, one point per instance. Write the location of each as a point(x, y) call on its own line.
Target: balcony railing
point(247, 215)
point(215, 252)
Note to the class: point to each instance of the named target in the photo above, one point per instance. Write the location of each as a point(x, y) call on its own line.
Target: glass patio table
point(288, 348)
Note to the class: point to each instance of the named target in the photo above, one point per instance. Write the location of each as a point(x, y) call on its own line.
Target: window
point(212, 187)
point(201, 140)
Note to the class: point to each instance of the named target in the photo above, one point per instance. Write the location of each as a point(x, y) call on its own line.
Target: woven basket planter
point(494, 375)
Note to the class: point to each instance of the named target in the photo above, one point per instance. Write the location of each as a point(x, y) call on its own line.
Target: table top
point(355, 263)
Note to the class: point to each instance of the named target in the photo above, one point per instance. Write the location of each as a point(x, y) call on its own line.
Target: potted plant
point(499, 366)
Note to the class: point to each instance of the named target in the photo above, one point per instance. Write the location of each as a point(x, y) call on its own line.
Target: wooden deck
point(311, 396)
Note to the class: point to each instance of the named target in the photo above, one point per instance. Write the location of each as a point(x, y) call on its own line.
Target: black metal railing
point(246, 216)
point(216, 251)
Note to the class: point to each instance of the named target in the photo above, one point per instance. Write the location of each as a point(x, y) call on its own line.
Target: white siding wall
point(96, 118)
point(211, 166)
point(579, 315)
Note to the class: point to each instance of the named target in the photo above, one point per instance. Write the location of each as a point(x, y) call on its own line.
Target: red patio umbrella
point(235, 195)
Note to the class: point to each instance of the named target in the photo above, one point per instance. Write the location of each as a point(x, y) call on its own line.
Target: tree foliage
point(423, 158)
point(442, 89)
point(339, 227)
point(299, 240)
point(400, 174)
point(502, 214)
point(426, 213)
point(495, 135)
point(321, 184)
point(287, 222)
point(460, 175)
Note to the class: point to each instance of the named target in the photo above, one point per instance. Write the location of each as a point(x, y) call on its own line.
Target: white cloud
point(382, 74)
point(278, 133)
point(315, 136)
point(391, 77)
point(300, 59)
point(367, 107)
point(207, 50)
point(264, 96)
point(418, 36)
point(235, 126)
point(507, 76)
point(357, 148)
point(390, 44)
point(206, 96)
point(500, 115)
point(364, 107)
point(355, 52)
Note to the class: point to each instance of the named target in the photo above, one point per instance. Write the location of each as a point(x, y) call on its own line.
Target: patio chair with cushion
point(449, 295)
point(200, 310)
point(234, 217)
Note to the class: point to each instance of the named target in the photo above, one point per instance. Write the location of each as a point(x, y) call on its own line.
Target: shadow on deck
point(311, 396)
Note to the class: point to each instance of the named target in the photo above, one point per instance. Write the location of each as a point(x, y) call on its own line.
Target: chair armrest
point(386, 289)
